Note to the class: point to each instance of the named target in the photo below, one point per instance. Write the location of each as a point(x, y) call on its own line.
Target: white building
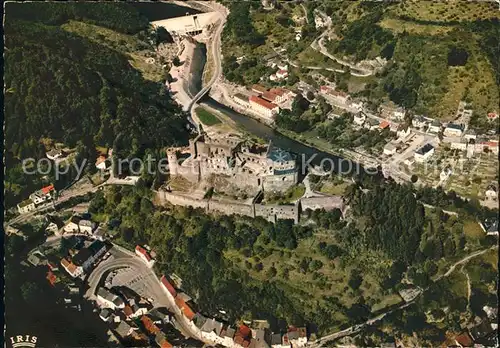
point(418, 122)
point(282, 74)
point(263, 106)
point(491, 192)
point(26, 206)
point(424, 153)
point(459, 144)
point(445, 174)
point(71, 268)
point(389, 149)
point(54, 154)
point(319, 22)
point(453, 130)
point(106, 299)
point(43, 195)
point(403, 132)
point(86, 226)
point(357, 105)
point(435, 127)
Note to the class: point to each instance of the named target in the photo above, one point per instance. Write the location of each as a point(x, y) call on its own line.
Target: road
point(356, 328)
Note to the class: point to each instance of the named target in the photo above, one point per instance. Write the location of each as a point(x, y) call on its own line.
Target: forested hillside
point(66, 88)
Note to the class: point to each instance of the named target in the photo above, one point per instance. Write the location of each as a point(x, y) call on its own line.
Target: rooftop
point(424, 149)
point(262, 102)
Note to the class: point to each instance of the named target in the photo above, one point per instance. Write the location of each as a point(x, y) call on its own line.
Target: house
point(319, 22)
point(371, 124)
point(26, 206)
point(73, 224)
point(492, 116)
point(464, 340)
point(55, 224)
point(107, 299)
point(71, 268)
point(241, 99)
point(149, 326)
point(100, 233)
point(424, 153)
point(359, 118)
point(52, 278)
point(261, 339)
point(124, 329)
point(384, 124)
point(392, 111)
point(273, 77)
point(403, 131)
point(357, 105)
point(297, 336)
point(102, 163)
point(283, 66)
point(166, 284)
point(52, 266)
point(435, 127)
point(490, 227)
point(185, 309)
point(282, 74)
point(54, 154)
point(453, 130)
point(389, 149)
point(445, 174)
point(86, 226)
point(470, 134)
point(285, 342)
point(105, 314)
point(273, 98)
point(161, 340)
point(298, 36)
point(86, 257)
point(144, 255)
point(228, 334)
point(42, 195)
point(281, 93)
point(418, 122)
point(491, 192)
point(259, 89)
point(211, 330)
point(263, 106)
point(459, 144)
point(340, 96)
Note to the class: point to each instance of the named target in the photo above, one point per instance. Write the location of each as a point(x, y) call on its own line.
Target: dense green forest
point(223, 260)
point(64, 87)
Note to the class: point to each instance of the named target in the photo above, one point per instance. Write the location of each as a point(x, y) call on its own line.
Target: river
point(306, 154)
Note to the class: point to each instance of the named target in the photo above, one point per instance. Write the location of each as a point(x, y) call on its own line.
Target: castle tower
point(172, 162)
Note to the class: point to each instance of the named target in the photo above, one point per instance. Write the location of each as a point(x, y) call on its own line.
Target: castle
point(243, 163)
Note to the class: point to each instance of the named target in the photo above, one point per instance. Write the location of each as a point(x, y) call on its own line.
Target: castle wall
point(230, 207)
point(280, 182)
point(182, 199)
point(273, 212)
point(325, 202)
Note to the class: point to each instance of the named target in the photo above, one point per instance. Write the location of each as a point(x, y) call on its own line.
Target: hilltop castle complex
point(246, 164)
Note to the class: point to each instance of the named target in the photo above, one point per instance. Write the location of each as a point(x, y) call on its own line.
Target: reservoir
point(306, 154)
point(155, 11)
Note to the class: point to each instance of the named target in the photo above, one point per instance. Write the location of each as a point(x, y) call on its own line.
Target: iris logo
point(23, 341)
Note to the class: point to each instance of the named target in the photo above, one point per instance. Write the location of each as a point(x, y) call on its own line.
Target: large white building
point(190, 25)
point(106, 299)
point(263, 106)
point(424, 153)
point(26, 206)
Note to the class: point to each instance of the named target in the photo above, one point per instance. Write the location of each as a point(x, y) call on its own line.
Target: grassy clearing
point(289, 196)
point(206, 117)
point(399, 26)
point(333, 188)
point(311, 57)
point(447, 11)
point(473, 232)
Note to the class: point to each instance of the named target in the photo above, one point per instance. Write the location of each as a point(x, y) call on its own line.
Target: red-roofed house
point(149, 325)
point(464, 340)
point(384, 124)
point(282, 74)
point(273, 98)
point(492, 115)
point(168, 286)
point(263, 106)
point(144, 255)
point(186, 310)
point(48, 189)
point(51, 277)
point(324, 89)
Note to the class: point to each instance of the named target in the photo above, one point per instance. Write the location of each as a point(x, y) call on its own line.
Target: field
point(448, 11)
point(206, 117)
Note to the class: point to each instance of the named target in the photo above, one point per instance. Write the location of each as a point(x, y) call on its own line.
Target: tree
point(176, 61)
point(414, 178)
point(355, 280)
point(271, 272)
point(127, 234)
point(30, 292)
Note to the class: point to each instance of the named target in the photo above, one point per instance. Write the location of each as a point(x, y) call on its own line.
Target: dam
point(189, 25)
